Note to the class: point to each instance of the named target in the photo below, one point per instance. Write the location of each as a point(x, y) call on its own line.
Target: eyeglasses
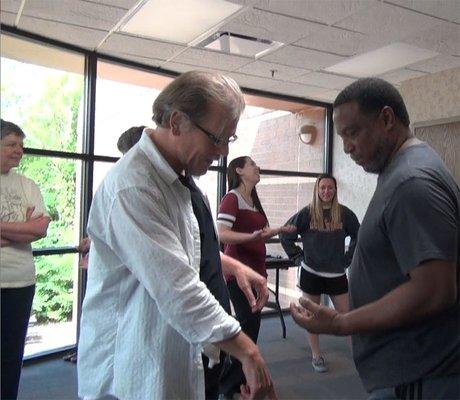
point(213, 138)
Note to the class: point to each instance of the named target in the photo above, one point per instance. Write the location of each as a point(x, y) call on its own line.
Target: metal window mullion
point(87, 165)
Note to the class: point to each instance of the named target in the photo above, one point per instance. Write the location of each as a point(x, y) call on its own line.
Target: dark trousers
point(15, 313)
point(441, 387)
point(232, 375)
point(212, 377)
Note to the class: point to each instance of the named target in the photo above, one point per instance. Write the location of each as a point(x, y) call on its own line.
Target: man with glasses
point(404, 276)
point(155, 296)
point(213, 138)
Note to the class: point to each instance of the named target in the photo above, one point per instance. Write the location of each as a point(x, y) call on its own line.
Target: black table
point(278, 263)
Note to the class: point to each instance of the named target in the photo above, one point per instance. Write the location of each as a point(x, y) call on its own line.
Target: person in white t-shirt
point(23, 219)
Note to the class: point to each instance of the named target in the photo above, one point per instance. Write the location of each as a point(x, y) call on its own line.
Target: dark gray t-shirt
point(413, 217)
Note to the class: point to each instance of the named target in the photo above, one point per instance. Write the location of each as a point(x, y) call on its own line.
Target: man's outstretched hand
point(316, 318)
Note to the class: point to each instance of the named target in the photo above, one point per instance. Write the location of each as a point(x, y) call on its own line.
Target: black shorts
point(316, 285)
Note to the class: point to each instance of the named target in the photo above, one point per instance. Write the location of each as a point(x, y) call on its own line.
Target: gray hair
point(9, 128)
point(193, 92)
point(129, 138)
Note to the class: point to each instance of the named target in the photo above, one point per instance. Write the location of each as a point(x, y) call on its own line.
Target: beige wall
point(427, 98)
point(433, 96)
point(355, 187)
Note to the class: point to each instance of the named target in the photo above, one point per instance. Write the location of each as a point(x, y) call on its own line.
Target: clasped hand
point(315, 318)
point(268, 232)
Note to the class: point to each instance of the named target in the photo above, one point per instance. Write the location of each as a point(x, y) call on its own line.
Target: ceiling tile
point(126, 4)
point(437, 64)
point(8, 18)
point(328, 95)
point(447, 9)
point(137, 46)
point(75, 12)
point(177, 67)
point(153, 62)
point(443, 38)
point(302, 58)
point(391, 22)
point(401, 75)
point(181, 68)
point(211, 59)
point(78, 36)
point(251, 81)
point(328, 81)
point(244, 2)
point(296, 89)
point(11, 6)
point(325, 11)
point(325, 95)
point(340, 41)
point(265, 25)
point(264, 69)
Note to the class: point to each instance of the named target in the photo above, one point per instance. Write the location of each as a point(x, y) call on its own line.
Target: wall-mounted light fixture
point(307, 134)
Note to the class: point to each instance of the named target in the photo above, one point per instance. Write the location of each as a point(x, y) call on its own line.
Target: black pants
point(212, 377)
point(232, 375)
point(15, 308)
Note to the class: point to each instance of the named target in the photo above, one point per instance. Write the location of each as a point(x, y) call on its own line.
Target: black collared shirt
point(210, 264)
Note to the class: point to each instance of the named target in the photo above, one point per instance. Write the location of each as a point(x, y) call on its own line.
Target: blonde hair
point(316, 209)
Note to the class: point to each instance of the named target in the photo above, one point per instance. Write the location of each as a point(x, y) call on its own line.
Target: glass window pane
point(271, 138)
point(59, 183)
point(124, 98)
point(208, 184)
point(53, 319)
point(43, 92)
point(100, 171)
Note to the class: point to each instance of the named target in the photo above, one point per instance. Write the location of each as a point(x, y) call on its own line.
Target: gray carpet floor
point(289, 361)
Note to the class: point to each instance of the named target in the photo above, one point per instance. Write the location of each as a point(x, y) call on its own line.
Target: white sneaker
point(319, 365)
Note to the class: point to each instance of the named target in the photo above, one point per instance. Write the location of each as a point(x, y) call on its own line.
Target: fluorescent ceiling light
point(376, 62)
point(233, 43)
point(178, 21)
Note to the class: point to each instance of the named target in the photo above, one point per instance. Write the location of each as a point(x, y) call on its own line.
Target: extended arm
point(247, 280)
point(258, 378)
point(431, 288)
point(288, 239)
point(229, 236)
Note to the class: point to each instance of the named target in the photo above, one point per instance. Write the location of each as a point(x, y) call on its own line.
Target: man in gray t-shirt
point(404, 277)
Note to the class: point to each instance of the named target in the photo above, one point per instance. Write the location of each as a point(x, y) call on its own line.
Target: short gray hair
point(129, 138)
point(9, 128)
point(193, 92)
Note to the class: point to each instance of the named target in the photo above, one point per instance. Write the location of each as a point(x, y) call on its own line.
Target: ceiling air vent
point(233, 43)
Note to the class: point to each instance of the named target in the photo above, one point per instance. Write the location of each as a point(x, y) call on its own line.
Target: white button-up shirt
point(146, 314)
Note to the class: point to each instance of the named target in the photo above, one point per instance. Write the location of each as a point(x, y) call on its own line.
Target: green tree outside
point(49, 119)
